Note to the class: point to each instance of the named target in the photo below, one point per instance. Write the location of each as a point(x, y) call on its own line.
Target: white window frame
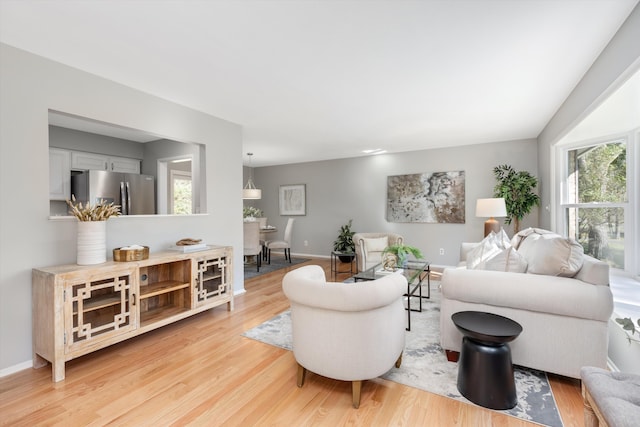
point(625, 284)
point(631, 206)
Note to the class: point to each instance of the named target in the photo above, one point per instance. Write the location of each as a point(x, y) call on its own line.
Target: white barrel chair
point(345, 331)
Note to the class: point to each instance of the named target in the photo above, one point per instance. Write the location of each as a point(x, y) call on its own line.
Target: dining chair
point(285, 244)
point(252, 245)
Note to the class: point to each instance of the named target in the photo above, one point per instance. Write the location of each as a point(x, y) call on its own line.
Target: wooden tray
point(131, 254)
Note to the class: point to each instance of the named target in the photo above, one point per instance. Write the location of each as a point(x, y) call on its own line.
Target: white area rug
point(424, 365)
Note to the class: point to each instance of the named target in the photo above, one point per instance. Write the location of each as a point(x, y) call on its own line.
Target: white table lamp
point(491, 208)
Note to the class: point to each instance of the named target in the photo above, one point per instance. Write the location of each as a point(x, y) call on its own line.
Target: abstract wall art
point(293, 199)
point(437, 197)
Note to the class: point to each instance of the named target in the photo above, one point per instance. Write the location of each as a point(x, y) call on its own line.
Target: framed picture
point(437, 197)
point(293, 199)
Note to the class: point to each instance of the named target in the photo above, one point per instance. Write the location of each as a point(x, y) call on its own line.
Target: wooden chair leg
point(356, 388)
point(399, 361)
point(591, 418)
point(302, 372)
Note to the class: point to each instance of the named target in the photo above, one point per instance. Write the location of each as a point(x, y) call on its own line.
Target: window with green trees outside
point(596, 199)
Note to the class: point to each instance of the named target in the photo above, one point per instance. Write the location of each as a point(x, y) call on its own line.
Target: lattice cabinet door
point(212, 280)
point(98, 309)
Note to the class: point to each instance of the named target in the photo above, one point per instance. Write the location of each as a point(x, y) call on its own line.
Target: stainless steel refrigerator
point(135, 193)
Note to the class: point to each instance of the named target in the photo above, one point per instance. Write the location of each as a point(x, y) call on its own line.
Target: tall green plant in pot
point(516, 188)
point(344, 242)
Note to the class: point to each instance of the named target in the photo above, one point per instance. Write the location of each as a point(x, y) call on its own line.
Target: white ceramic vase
point(92, 242)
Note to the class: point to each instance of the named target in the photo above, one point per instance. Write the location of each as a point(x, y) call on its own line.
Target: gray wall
point(31, 85)
point(339, 190)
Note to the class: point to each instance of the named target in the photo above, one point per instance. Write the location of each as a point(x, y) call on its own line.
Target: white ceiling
point(312, 80)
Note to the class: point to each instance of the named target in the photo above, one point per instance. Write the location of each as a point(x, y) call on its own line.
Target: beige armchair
point(369, 247)
point(349, 332)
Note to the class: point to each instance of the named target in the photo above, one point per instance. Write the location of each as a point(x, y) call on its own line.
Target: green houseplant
point(344, 242)
point(251, 212)
point(516, 188)
point(402, 252)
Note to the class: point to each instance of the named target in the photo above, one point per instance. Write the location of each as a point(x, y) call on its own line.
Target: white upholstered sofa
point(345, 331)
point(564, 319)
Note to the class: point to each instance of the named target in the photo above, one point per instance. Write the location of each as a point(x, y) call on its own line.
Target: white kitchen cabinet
point(59, 174)
point(92, 161)
point(124, 164)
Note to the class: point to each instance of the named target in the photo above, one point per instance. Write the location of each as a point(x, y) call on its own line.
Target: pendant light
point(250, 192)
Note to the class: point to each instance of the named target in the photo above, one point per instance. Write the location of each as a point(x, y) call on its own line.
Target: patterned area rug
point(424, 365)
point(277, 262)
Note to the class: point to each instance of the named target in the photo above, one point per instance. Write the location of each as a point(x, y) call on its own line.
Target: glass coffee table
point(415, 272)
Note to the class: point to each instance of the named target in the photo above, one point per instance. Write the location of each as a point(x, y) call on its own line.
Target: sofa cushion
point(561, 296)
point(616, 394)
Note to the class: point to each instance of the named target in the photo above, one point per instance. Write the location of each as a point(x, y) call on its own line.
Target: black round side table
point(485, 371)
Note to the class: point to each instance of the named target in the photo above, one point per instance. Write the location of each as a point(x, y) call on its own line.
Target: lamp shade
point(489, 208)
point(251, 193)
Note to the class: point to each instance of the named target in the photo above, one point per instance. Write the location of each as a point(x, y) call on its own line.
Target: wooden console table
point(79, 309)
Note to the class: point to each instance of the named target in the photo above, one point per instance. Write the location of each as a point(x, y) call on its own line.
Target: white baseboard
point(16, 368)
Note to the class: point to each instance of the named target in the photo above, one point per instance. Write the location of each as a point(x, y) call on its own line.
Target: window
point(596, 199)
point(181, 192)
point(599, 206)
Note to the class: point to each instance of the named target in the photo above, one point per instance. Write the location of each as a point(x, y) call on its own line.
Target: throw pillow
point(506, 260)
point(489, 247)
point(373, 248)
point(376, 244)
point(554, 256)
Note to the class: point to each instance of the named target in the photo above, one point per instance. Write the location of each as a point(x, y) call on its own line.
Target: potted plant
point(344, 242)
point(516, 190)
point(250, 213)
point(401, 253)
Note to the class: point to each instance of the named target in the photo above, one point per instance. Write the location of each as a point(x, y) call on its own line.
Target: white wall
point(339, 190)
point(29, 86)
point(617, 62)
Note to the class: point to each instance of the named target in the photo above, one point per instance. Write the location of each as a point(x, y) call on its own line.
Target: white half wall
point(31, 85)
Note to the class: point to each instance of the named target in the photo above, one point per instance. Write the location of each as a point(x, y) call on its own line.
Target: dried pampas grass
point(101, 211)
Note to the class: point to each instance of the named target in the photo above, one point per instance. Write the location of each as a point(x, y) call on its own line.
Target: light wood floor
point(201, 371)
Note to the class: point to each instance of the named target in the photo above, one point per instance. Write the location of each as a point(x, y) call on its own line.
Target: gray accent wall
point(31, 85)
point(339, 190)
